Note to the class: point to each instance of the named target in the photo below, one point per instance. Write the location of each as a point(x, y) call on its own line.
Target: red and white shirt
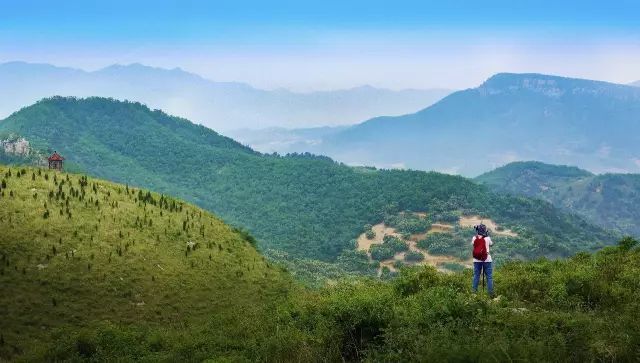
point(488, 242)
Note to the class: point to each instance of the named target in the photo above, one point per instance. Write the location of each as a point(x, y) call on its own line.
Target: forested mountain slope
point(308, 206)
point(609, 200)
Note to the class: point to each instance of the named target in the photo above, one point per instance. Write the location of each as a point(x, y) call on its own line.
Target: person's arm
point(489, 241)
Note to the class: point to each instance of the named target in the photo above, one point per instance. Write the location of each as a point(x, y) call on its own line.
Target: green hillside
point(95, 271)
point(78, 253)
point(303, 205)
point(608, 200)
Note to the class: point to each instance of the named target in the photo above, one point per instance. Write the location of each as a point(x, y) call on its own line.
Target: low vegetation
point(447, 244)
point(95, 271)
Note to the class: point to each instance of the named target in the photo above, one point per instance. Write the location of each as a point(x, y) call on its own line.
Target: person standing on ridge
point(482, 262)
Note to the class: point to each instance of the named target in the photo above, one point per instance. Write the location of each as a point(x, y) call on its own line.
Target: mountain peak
point(549, 85)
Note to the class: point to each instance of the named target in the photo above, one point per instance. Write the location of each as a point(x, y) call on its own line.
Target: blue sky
point(332, 44)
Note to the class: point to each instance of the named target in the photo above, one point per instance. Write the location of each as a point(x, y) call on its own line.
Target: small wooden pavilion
point(55, 161)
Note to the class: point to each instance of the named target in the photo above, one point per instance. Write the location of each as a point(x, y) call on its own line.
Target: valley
point(287, 202)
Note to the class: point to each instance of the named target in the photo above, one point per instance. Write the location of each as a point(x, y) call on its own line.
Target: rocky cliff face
point(18, 146)
point(17, 149)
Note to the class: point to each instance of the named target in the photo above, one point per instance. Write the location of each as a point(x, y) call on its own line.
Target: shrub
point(413, 256)
point(446, 217)
point(627, 243)
point(395, 243)
point(381, 252)
point(452, 266)
point(445, 244)
point(86, 346)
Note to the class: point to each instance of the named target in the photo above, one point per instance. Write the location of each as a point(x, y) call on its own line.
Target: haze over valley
point(217, 105)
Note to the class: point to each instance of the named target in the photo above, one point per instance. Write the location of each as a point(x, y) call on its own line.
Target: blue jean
point(478, 267)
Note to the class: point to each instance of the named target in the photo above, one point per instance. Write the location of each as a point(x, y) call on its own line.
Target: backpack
point(480, 248)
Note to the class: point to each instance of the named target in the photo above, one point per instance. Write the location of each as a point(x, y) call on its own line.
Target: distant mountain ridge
point(609, 200)
point(218, 105)
point(591, 124)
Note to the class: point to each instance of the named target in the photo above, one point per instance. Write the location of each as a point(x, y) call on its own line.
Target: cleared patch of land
point(380, 231)
point(438, 261)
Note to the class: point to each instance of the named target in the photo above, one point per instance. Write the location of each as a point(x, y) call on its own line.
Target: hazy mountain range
point(218, 105)
point(594, 125)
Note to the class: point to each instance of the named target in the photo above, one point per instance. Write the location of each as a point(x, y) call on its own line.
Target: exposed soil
point(437, 261)
point(381, 230)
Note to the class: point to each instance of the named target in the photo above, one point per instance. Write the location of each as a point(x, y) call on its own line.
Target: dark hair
point(481, 229)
